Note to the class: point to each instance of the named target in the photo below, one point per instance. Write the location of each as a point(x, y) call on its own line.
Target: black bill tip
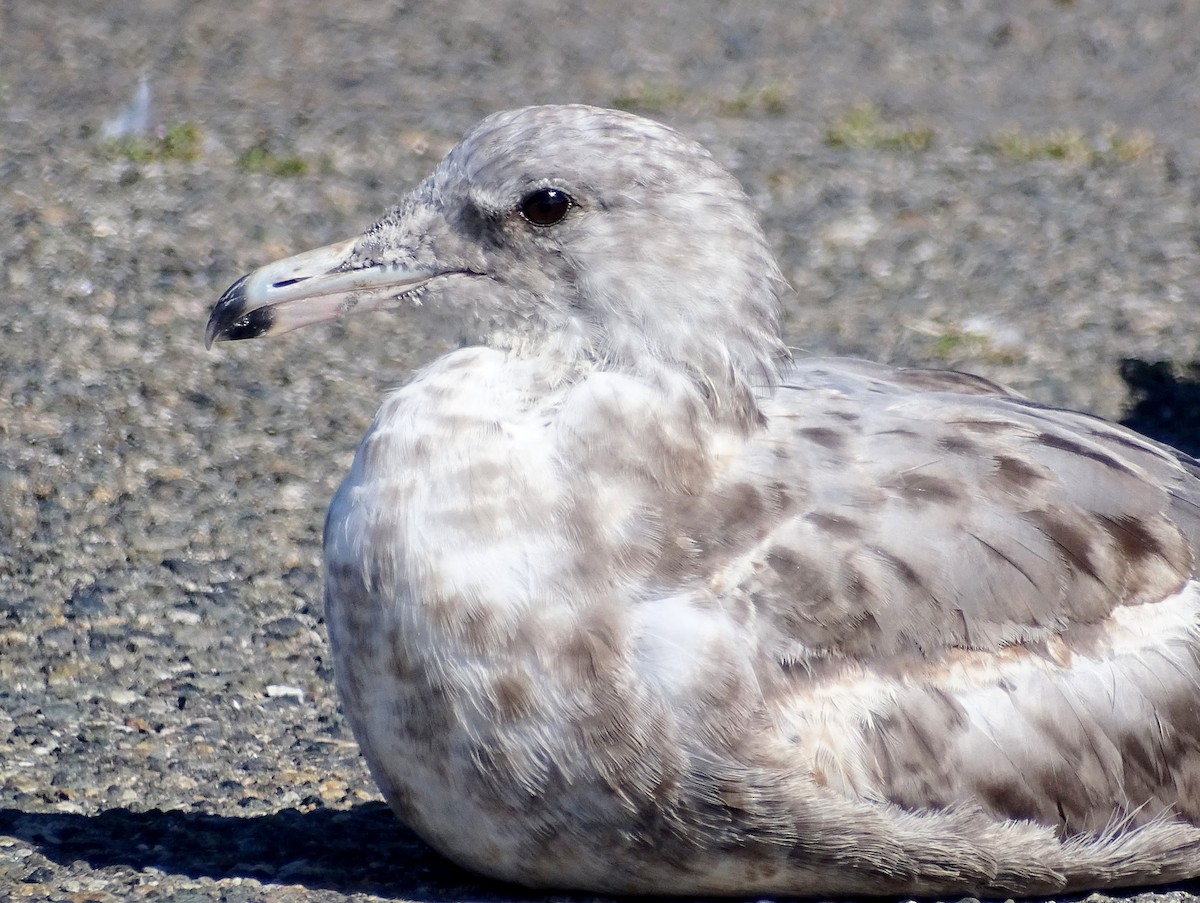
point(231, 321)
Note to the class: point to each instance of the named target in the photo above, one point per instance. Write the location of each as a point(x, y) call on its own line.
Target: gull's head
point(593, 234)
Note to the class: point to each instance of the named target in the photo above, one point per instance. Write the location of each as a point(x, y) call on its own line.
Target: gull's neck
point(718, 389)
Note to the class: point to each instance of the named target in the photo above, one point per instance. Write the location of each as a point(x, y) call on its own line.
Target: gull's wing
point(965, 598)
point(931, 510)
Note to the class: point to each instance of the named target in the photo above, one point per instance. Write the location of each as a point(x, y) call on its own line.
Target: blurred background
point(1007, 188)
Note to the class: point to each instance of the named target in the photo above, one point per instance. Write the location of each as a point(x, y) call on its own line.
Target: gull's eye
point(546, 206)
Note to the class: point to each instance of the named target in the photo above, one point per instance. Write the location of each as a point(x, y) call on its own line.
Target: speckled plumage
point(622, 598)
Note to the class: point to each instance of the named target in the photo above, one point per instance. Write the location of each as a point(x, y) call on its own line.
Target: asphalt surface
point(1008, 188)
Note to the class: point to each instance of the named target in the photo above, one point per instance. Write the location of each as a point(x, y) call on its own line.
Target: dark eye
point(546, 206)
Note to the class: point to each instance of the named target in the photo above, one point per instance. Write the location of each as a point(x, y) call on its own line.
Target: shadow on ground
point(361, 850)
point(1166, 402)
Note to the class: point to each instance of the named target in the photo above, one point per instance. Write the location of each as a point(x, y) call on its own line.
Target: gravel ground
point(1010, 188)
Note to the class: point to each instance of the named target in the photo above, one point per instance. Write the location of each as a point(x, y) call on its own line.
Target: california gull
point(623, 598)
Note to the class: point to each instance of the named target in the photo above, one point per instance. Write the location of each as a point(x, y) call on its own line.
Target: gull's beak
point(309, 288)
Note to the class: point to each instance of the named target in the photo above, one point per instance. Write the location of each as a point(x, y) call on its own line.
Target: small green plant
point(1072, 146)
point(260, 158)
point(861, 128)
point(181, 141)
point(1068, 145)
point(771, 99)
point(950, 343)
point(646, 98)
point(1128, 147)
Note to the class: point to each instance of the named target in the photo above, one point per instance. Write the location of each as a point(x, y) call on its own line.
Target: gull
point(624, 598)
